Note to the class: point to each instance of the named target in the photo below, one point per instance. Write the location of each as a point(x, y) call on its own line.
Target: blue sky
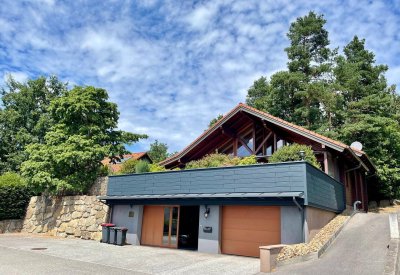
point(174, 65)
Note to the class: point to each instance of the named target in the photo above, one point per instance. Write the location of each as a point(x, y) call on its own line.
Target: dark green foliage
point(158, 151)
point(25, 117)
point(142, 166)
point(345, 97)
point(84, 132)
point(128, 166)
point(292, 153)
point(14, 196)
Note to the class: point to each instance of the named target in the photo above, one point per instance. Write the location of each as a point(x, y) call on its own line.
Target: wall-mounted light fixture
point(206, 211)
point(302, 155)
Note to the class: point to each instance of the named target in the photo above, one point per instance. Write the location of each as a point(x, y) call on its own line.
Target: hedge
point(14, 196)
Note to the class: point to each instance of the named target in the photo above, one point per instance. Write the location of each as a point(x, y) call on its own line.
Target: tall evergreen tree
point(342, 96)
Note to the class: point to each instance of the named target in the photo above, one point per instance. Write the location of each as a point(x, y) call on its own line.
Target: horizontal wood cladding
point(285, 177)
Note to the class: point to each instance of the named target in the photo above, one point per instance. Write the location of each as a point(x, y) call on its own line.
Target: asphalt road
point(16, 261)
point(359, 249)
point(75, 256)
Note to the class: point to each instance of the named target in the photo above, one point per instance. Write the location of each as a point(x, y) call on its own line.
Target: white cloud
point(170, 66)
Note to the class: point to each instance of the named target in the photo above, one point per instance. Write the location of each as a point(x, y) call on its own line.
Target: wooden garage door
point(152, 226)
point(246, 228)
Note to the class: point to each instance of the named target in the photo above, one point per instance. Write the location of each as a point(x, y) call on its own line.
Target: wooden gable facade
point(245, 131)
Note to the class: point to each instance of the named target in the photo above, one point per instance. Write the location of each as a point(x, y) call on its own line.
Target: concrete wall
point(315, 220)
point(291, 225)
point(210, 242)
point(130, 217)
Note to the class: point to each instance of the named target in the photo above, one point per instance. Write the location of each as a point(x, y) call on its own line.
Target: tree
point(25, 117)
point(215, 120)
point(343, 96)
point(84, 132)
point(304, 94)
point(158, 151)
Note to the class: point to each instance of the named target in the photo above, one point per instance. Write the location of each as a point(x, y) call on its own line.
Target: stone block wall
point(11, 226)
point(99, 188)
point(68, 216)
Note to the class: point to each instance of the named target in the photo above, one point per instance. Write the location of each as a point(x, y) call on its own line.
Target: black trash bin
point(105, 232)
point(121, 235)
point(113, 235)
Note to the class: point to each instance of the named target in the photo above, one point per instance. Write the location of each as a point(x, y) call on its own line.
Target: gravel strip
point(317, 242)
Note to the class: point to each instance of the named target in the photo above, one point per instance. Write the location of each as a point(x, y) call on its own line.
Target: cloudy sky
point(174, 65)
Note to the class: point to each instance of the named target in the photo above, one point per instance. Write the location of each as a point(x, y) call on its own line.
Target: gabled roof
point(117, 166)
point(334, 144)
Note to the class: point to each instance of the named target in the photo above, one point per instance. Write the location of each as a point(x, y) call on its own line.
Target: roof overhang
point(338, 146)
point(205, 195)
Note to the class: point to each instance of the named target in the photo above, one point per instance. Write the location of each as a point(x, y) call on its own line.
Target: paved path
point(74, 256)
point(359, 249)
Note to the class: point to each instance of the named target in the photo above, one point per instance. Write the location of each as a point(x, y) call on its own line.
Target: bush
point(291, 153)
point(213, 160)
point(14, 196)
point(128, 166)
point(142, 166)
point(156, 168)
point(248, 160)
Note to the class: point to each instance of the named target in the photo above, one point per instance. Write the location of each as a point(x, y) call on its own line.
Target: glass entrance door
point(171, 225)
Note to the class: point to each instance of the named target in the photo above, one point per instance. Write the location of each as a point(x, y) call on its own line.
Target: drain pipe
point(355, 206)
point(301, 209)
point(297, 204)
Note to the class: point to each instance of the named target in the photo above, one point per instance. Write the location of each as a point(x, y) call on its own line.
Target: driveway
point(359, 249)
point(74, 256)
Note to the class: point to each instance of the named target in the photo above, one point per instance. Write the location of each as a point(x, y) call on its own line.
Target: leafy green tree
point(69, 159)
point(25, 117)
point(158, 151)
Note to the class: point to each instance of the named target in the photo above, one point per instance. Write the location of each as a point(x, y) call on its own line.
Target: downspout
point(352, 169)
point(301, 209)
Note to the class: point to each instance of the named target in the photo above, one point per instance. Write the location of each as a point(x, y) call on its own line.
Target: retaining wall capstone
point(68, 216)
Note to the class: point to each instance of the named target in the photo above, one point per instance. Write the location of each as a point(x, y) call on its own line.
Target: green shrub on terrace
point(14, 196)
point(292, 153)
point(156, 168)
point(142, 166)
point(248, 160)
point(128, 167)
point(214, 160)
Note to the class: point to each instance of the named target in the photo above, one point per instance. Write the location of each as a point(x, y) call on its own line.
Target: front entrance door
point(160, 226)
point(170, 227)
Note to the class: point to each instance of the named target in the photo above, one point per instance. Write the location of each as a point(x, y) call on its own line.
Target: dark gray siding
point(320, 190)
point(324, 191)
point(255, 178)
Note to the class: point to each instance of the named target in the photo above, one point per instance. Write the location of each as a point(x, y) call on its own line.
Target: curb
point(316, 255)
point(392, 261)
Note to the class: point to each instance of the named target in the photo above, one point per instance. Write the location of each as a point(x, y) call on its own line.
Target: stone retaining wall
point(69, 216)
point(99, 188)
point(11, 226)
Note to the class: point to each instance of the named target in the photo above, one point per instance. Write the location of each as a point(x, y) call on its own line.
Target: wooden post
point(274, 145)
point(326, 163)
point(235, 146)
